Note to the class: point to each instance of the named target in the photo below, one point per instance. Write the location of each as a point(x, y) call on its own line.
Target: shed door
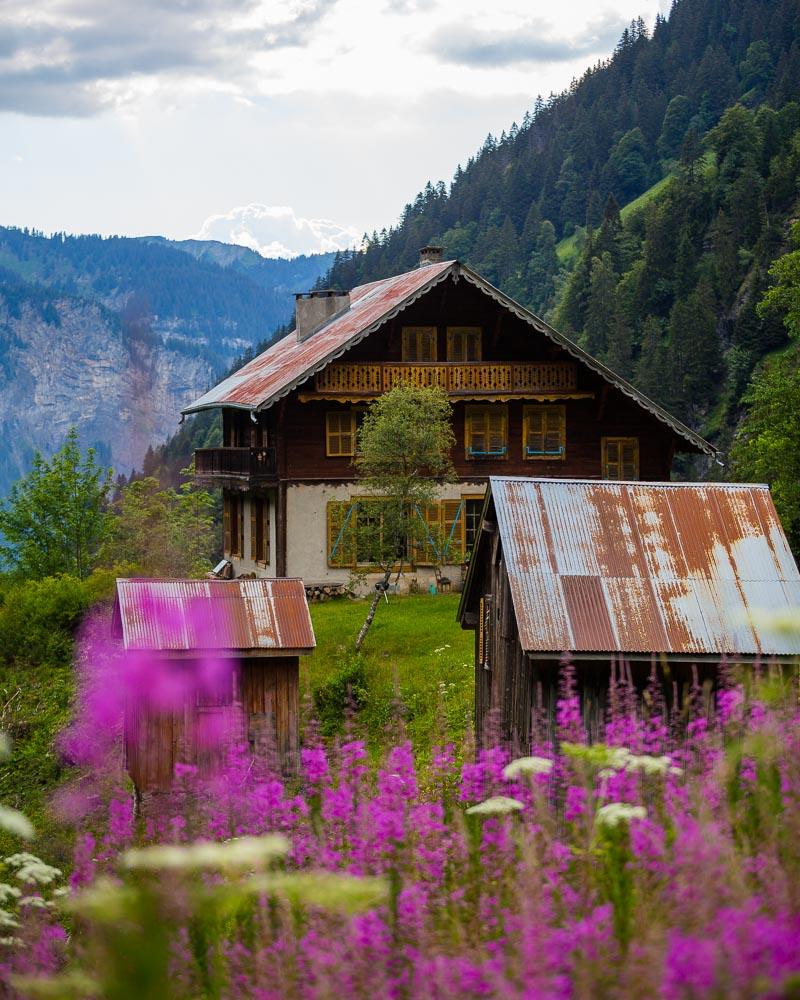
point(271, 704)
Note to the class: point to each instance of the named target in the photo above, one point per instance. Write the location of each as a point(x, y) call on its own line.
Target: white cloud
point(276, 231)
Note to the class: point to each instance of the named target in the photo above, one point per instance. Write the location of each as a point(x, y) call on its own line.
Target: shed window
point(463, 343)
point(486, 432)
point(259, 529)
point(233, 524)
point(620, 458)
point(419, 343)
point(340, 433)
point(545, 433)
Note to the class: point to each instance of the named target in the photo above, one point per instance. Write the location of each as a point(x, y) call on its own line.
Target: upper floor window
point(233, 524)
point(486, 431)
point(544, 432)
point(340, 433)
point(620, 457)
point(259, 529)
point(463, 343)
point(419, 343)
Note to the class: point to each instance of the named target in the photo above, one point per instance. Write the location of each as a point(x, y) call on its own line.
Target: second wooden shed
point(250, 634)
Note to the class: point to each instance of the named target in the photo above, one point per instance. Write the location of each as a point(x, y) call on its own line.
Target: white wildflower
point(33, 869)
point(527, 765)
point(7, 919)
point(614, 813)
point(36, 903)
point(332, 891)
point(8, 892)
point(441, 649)
point(242, 853)
point(647, 764)
point(498, 805)
point(16, 822)
point(675, 770)
point(11, 941)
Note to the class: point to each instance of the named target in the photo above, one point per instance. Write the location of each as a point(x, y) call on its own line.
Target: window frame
point(351, 414)
point(431, 332)
point(545, 409)
point(620, 441)
point(260, 524)
point(485, 410)
point(455, 332)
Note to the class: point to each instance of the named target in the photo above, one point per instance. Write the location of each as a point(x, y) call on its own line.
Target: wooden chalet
point(634, 572)
point(525, 399)
point(253, 632)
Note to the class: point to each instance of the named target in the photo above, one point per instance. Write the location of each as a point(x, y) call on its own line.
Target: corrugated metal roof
point(289, 362)
point(675, 568)
point(182, 615)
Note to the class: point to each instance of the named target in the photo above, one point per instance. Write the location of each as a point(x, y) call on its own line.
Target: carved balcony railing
point(456, 379)
point(241, 463)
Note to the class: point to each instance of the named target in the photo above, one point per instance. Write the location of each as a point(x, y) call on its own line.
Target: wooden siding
point(263, 708)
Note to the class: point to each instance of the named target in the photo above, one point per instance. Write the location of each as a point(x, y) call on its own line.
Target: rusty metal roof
point(680, 568)
point(235, 615)
point(290, 362)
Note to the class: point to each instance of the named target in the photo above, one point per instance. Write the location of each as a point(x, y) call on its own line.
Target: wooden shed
point(229, 651)
point(625, 571)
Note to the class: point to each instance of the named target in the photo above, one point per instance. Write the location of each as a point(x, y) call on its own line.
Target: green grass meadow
point(415, 670)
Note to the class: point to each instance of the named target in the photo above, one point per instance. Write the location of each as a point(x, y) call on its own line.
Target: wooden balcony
point(456, 379)
point(235, 463)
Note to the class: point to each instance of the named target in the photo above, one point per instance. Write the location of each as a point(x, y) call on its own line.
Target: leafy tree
point(404, 447)
point(161, 532)
point(784, 296)
point(767, 445)
point(54, 520)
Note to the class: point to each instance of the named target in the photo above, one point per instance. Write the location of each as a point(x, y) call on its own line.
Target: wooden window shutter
point(620, 458)
point(340, 433)
point(452, 532)
point(341, 532)
point(497, 430)
point(544, 432)
point(226, 524)
point(464, 343)
point(427, 553)
point(419, 343)
point(240, 549)
point(629, 458)
point(254, 519)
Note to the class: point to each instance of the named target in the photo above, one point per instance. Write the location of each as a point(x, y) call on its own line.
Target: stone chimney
point(431, 254)
point(313, 309)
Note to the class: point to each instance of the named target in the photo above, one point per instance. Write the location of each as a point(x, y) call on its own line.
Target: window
point(340, 433)
point(259, 529)
point(419, 343)
point(544, 432)
point(486, 432)
point(473, 508)
point(233, 524)
point(620, 458)
point(463, 343)
point(352, 525)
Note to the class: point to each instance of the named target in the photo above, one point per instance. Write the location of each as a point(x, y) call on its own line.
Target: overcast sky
point(286, 125)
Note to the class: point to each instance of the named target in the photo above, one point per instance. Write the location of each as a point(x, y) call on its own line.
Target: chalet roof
point(288, 363)
point(261, 616)
point(677, 568)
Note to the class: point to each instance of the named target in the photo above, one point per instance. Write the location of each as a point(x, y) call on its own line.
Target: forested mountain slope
point(116, 335)
point(700, 118)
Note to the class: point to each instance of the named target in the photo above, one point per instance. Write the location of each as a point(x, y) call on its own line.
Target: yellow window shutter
point(426, 546)
point(497, 437)
point(341, 532)
point(629, 458)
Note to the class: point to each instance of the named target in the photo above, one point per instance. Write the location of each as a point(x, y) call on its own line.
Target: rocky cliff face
point(115, 337)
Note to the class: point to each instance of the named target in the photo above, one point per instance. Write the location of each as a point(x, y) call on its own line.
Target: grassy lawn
point(416, 663)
